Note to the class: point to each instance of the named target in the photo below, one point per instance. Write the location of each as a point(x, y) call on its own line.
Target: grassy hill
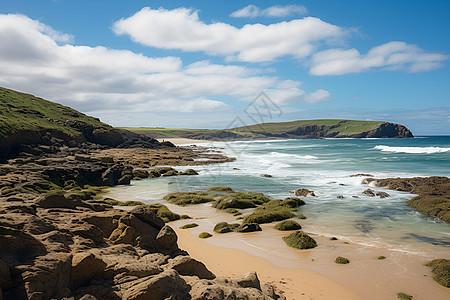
point(336, 128)
point(23, 112)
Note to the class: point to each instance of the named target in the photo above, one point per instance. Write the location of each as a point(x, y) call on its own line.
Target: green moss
point(163, 212)
point(381, 257)
point(187, 198)
point(205, 235)
point(288, 225)
point(160, 210)
point(293, 202)
point(333, 238)
point(190, 225)
point(404, 296)
point(342, 260)
point(225, 189)
point(240, 200)
point(224, 227)
point(441, 270)
point(274, 210)
point(233, 211)
point(432, 205)
point(300, 240)
point(91, 192)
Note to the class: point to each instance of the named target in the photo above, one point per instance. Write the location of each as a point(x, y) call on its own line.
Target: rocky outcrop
point(433, 193)
point(61, 247)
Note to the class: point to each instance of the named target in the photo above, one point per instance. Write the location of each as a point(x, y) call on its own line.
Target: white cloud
point(389, 56)
point(253, 11)
point(117, 82)
point(295, 95)
point(181, 29)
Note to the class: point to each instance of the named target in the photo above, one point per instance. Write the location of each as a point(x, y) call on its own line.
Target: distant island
point(301, 129)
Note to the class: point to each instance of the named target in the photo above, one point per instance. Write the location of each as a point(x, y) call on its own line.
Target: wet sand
point(313, 273)
point(296, 283)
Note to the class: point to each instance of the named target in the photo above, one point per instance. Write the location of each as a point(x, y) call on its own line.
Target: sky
point(219, 64)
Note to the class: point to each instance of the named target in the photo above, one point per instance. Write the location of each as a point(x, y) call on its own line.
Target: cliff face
point(312, 129)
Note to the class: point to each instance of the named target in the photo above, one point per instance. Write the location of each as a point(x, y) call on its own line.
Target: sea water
point(325, 166)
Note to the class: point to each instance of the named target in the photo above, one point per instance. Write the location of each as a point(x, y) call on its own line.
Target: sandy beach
point(296, 283)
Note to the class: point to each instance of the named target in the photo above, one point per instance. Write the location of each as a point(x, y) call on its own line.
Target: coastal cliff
point(302, 129)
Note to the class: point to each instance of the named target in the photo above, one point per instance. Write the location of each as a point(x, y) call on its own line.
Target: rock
point(147, 216)
point(287, 225)
point(249, 280)
point(369, 192)
point(88, 297)
point(266, 175)
point(85, 267)
point(137, 173)
point(304, 192)
point(188, 266)
point(167, 238)
point(382, 194)
point(167, 285)
point(55, 201)
point(125, 180)
point(342, 260)
point(361, 175)
point(300, 240)
point(189, 172)
point(5, 276)
point(251, 227)
point(170, 173)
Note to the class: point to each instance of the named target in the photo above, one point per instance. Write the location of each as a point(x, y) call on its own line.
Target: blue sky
point(199, 64)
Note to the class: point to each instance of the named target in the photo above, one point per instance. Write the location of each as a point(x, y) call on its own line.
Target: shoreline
point(295, 283)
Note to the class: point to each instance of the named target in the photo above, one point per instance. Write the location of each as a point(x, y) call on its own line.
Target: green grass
point(343, 127)
point(22, 112)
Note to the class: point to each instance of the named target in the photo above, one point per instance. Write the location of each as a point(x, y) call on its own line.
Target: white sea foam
point(413, 150)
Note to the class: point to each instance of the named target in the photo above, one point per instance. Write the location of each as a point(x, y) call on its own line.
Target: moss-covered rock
point(249, 227)
point(170, 173)
point(288, 225)
point(293, 202)
point(342, 260)
point(140, 174)
point(432, 205)
point(225, 189)
point(187, 198)
point(240, 200)
point(300, 240)
point(404, 296)
point(224, 227)
point(204, 235)
point(189, 172)
point(381, 257)
point(160, 210)
point(190, 225)
point(163, 212)
point(441, 270)
point(274, 210)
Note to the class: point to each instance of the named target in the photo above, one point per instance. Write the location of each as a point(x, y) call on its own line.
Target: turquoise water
point(325, 166)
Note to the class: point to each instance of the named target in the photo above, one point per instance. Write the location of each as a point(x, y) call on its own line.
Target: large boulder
point(167, 285)
point(167, 238)
point(86, 266)
point(188, 266)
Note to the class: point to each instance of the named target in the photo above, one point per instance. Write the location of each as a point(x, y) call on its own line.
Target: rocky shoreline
point(57, 241)
point(433, 193)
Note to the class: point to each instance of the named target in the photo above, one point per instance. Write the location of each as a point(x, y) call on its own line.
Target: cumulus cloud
point(296, 95)
point(389, 56)
point(253, 11)
point(109, 81)
point(181, 29)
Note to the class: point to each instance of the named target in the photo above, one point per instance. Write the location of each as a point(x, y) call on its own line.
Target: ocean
point(325, 166)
